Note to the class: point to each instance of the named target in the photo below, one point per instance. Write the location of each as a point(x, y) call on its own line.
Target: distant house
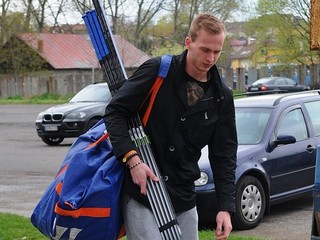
point(236, 29)
point(243, 58)
point(60, 63)
point(243, 64)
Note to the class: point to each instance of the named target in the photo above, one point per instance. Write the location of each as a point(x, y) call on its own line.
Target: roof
point(271, 100)
point(258, 101)
point(245, 52)
point(238, 42)
point(131, 56)
point(236, 28)
point(73, 51)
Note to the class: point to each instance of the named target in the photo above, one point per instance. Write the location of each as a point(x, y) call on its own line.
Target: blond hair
point(206, 21)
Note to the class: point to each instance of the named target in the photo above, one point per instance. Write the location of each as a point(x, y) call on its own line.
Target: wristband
point(128, 155)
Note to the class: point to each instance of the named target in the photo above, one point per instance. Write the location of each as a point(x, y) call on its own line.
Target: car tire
point(250, 203)
point(91, 123)
point(52, 141)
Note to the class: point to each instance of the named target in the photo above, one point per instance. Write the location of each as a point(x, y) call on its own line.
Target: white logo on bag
point(61, 230)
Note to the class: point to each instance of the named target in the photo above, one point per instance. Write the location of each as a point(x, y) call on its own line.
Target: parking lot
point(27, 166)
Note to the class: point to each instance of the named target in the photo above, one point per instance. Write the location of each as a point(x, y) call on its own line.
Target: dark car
point(276, 84)
point(277, 135)
point(72, 119)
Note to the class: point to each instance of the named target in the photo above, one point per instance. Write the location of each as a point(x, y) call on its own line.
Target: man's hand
point(224, 225)
point(140, 173)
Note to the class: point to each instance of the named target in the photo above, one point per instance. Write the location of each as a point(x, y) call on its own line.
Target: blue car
point(278, 135)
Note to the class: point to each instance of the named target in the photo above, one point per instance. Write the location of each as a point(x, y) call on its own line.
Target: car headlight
point(40, 116)
point(203, 180)
point(75, 115)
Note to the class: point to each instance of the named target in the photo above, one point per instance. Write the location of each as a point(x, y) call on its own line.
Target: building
point(56, 63)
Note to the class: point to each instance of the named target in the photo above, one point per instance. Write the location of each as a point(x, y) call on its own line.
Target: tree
point(82, 6)
point(3, 21)
point(114, 9)
point(175, 9)
point(146, 11)
point(39, 14)
point(12, 24)
point(290, 22)
point(182, 13)
point(47, 15)
point(117, 16)
point(56, 9)
point(17, 58)
point(220, 8)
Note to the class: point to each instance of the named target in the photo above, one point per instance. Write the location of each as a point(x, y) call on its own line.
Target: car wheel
point(52, 141)
point(91, 123)
point(250, 203)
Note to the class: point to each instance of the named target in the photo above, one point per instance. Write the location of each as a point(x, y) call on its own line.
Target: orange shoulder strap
point(163, 71)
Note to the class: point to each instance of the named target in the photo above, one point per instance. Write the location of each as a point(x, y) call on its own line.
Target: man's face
point(204, 51)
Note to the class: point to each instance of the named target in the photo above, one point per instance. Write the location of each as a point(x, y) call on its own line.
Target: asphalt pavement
point(27, 166)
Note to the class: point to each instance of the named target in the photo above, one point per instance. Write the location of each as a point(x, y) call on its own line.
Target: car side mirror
point(282, 140)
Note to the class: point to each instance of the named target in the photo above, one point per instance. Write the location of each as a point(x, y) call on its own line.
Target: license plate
point(254, 89)
point(51, 128)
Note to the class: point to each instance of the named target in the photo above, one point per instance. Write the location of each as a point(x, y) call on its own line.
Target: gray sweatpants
point(140, 223)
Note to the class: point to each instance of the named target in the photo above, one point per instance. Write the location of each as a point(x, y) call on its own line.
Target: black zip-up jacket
point(178, 132)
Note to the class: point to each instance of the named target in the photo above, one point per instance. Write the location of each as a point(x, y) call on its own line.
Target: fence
point(56, 82)
point(66, 82)
point(303, 74)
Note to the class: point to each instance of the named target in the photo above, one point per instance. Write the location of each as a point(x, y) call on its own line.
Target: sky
point(245, 15)
point(73, 17)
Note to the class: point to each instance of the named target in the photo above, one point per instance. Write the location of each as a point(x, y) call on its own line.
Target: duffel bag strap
point(162, 73)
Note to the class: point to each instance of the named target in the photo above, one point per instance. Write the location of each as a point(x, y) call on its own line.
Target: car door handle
point(310, 148)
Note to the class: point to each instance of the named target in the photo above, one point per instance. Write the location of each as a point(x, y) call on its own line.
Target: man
point(193, 108)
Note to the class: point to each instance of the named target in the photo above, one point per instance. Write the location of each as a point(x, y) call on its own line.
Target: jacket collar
point(216, 91)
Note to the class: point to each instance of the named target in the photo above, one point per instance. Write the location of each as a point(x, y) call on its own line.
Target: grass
point(48, 98)
point(14, 227)
point(40, 99)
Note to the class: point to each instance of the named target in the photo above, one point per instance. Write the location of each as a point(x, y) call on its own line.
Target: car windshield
point(251, 123)
point(93, 93)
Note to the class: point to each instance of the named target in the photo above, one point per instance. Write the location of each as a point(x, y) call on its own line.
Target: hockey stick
point(110, 61)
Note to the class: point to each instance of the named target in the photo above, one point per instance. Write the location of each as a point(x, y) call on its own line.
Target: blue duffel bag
point(83, 200)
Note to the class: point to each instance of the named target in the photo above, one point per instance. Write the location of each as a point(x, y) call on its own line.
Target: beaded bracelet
point(131, 156)
point(134, 165)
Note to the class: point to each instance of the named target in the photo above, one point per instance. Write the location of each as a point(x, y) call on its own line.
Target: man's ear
point(187, 42)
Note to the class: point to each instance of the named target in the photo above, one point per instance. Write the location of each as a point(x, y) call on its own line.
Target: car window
point(263, 80)
point(293, 123)
point(290, 81)
point(279, 81)
point(314, 112)
point(251, 124)
point(92, 93)
point(270, 82)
